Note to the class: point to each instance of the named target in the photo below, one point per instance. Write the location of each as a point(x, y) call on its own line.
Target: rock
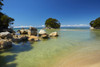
point(19, 38)
point(44, 36)
point(53, 34)
point(42, 32)
point(92, 28)
point(4, 35)
point(32, 31)
point(32, 28)
point(7, 30)
point(5, 44)
point(33, 38)
point(23, 31)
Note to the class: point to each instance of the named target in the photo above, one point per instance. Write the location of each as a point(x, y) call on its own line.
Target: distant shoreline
point(60, 28)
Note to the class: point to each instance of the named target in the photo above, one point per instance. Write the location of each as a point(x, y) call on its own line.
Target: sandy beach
point(80, 59)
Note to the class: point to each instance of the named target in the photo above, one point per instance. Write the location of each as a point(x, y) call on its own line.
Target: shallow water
point(73, 45)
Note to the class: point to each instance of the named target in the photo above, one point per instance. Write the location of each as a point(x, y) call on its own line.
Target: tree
point(52, 23)
point(5, 21)
point(95, 23)
point(1, 4)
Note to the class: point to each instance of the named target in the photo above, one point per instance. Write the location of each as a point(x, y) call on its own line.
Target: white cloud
point(76, 25)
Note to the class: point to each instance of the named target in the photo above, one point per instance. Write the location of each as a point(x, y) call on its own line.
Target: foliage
point(5, 21)
point(95, 23)
point(1, 4)
point(52, 23)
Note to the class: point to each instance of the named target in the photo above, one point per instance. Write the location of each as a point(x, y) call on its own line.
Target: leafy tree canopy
point(5, 21)
point(52, 23)
point(1, 4)
point(95, 23)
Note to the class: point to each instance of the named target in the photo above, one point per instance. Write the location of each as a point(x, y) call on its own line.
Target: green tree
point(5, 21)
point(52, 23)
point(1, 4)
point(95, 23)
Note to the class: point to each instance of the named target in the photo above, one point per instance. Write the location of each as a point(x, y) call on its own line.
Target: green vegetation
point(52, 23)
point(1, 4)
point(95, 23)
point(5, 21)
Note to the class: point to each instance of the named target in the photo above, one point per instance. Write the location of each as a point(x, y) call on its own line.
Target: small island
point(95, 24)
point(52, 24)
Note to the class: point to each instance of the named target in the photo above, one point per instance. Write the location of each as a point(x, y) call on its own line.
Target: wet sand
point(80, 59)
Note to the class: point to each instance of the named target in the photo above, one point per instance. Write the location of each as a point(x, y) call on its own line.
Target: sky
point(68, 12)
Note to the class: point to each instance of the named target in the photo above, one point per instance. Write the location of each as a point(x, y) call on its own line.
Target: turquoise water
point(46, 53)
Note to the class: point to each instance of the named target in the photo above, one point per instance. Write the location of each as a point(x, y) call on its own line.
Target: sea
point(74, 47)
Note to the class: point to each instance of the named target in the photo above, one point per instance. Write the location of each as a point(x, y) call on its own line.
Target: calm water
point(47, 53)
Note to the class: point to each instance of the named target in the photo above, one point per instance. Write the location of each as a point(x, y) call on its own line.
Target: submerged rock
point(4, 43)
point(53, 34)
point(33, 38)
point(44, 36)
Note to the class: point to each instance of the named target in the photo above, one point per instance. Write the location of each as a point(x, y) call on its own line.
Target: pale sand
point(80, 59)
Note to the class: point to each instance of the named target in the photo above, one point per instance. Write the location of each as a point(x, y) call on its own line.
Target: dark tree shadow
point(5, 59)
point(17, 48)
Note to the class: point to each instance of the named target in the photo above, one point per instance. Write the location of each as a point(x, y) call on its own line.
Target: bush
point(52, 23)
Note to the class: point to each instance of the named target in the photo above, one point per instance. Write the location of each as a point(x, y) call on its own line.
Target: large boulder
point(4, 43)
point(32, 31)
point(53, 34)
point(33, 38)
point(6, 35)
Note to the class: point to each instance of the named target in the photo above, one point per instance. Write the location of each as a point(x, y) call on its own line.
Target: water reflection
point(95, 34)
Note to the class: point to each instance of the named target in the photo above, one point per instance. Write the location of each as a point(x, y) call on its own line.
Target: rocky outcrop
point(6, 35)
point(23, 31)
point(4, 43)
point(30, 31)
point(43, 34)
point(53, 34)
point(33, 38)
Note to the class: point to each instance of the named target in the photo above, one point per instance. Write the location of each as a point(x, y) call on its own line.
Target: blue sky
point(68, 12)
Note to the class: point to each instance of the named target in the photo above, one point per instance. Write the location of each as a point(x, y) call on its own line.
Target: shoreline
point(82, 59)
